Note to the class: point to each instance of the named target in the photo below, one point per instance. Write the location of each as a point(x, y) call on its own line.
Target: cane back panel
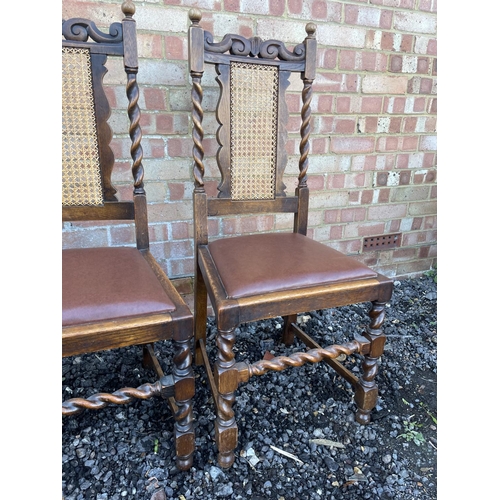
point(253, 76)
point(254, 114)
point(87, 159)
point(81, 172)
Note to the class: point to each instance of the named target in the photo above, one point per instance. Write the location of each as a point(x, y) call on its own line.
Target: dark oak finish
point(116, 297)
point(259, 276)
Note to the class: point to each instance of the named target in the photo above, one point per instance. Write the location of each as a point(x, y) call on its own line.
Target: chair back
point(87, 158)
point(253, 76)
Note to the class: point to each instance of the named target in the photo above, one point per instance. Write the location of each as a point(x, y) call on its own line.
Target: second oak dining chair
point(265, 275)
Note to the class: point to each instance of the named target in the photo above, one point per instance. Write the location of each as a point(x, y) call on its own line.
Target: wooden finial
point(195, 15)
point(128, 8)
point(311, 29)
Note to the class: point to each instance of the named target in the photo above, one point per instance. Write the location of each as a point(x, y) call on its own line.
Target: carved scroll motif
point(240, 46)
point(80, 30)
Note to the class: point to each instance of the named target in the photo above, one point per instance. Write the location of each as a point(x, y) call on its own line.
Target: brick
point(430, 222)
point(432, 47)
point(352, 145)
point(341, 36)
point(412, 193)
point(122, 235)
point(182, 230)
point(288, 32)
point(330, 58)
point(387, 211)
point(415, 22)
point(367, 125)
point(380, 84)
point(153, 18)
point(321, 233)
point(320, 200)
point(164, 212)
point(154, 98)
point(382, 178)
point(362, 230)
point(316, 182)
point(175, 47)
point(336, 232)
point(176, 191)
point(365, 16)
point(276, 7)
point(352, 214)
point(371, 104)
point(152, 72)
point(319, 9)
point(335, 181)
point(422, 208)
point(355, 180)
point(325, 104)
point(431, 176)
point(295, 6)
point(405, 178)
point(344, 125)
point(149, 46)
point(428, 5)
point(100, 13)
point(428, 143)
point(352, 247)
point(97, 237)
point(366, 197)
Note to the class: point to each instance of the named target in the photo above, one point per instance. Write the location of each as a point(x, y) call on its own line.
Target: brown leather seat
point(272, 262)
point(109, 283)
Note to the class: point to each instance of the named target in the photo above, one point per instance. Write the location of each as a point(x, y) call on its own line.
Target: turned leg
point(226, 379)
point(183, 394)
point(366, 392)
point(287, 337)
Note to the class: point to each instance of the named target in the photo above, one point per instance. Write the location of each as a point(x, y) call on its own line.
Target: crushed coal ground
point(298, 438)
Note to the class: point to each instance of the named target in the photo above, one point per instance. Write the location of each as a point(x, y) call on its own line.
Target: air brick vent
point(382, 242)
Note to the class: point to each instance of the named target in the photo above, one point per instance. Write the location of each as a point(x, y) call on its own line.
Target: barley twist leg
point(366, 392)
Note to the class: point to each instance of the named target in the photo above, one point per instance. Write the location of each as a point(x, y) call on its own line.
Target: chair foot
point(226, 438)
point(184, 463)
point(225, 460)
point(363, 417)
point(366, 390)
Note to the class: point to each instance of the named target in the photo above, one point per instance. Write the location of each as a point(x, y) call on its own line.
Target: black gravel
point(126, 451)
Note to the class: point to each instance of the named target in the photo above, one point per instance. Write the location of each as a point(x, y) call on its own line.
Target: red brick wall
point(373, 141)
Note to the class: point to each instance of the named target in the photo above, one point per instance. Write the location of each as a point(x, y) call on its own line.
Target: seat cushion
point(109, 283)
point(271, 262)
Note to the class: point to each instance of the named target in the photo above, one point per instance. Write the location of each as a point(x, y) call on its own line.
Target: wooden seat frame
point(227, 373)
point(178, 387)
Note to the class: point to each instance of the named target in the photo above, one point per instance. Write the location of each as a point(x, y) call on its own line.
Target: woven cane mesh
point(254, 112)
point(81, 180)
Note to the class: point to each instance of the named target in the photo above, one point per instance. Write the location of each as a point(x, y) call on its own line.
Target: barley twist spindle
point(305, 132)
point(101, 400)
point(197, 116)
point(135, 132)
point(296, 359)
